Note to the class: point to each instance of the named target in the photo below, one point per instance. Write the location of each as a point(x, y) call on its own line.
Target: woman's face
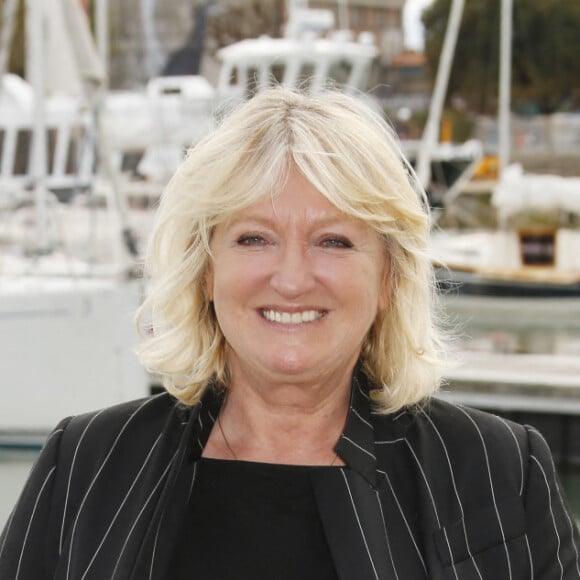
point(296, 285)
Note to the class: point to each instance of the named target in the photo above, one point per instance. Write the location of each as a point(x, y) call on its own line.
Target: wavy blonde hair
point(350, 154)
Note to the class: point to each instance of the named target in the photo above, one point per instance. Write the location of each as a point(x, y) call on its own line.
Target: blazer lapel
point(348, 498)
point(351, 516)
point(371, 509)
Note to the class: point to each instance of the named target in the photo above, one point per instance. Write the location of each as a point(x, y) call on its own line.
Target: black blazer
point(438, 491)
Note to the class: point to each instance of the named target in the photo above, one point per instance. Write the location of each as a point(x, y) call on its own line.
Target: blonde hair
point(350, 154)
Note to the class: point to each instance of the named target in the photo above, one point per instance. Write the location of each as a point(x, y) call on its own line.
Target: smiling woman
point(291, 317)
point(324, 161)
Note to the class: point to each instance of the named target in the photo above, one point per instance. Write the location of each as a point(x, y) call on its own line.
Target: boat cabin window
point(234, 76)
point(538, 248)
point(22, 155)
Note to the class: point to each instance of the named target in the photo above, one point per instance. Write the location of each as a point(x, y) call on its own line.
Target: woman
point(291, 318)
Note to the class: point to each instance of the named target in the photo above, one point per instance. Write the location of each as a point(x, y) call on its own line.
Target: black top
point(252, 521)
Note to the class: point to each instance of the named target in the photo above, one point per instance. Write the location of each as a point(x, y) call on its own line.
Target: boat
point(66, 303)
point(535, 249)
point(179, 110)
point(534, 252)
point(510, 291)
point(303, 59)
point(451, 167)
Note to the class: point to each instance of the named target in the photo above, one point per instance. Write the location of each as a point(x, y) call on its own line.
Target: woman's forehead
point(294, 205)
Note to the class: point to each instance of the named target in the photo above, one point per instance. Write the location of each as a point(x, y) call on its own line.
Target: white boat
point(512, 293)
point(66, 331)
point(154, 127)
point(535, 252)
point(67, 347)
point(305, 60)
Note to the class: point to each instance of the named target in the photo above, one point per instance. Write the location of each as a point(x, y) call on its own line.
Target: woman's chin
point(290, 367)
point(293, 364)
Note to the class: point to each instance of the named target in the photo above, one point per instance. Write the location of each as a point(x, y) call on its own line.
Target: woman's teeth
point(292, 317)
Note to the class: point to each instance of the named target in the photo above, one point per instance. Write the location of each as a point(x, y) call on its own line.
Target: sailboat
point(535, 251)
point(514, 290)
point(66, 330)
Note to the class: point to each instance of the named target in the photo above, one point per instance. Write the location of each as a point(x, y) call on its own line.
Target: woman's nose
point(293, 273)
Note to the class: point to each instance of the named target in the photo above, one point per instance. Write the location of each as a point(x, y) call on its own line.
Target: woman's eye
point(251, 240)
point(336, 242)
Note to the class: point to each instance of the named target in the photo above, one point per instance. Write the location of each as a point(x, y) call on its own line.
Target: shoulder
point(103, 454)
point(484, 479)
point(88, 463)
point(467, 427)
point(466, 445)
point(127, 430)
point(150, 411)
point(457, 426)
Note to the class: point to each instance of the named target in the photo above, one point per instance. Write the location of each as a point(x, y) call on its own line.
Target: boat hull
point(472, 284)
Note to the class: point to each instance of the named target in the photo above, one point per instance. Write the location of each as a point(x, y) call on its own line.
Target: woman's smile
point(292, 318)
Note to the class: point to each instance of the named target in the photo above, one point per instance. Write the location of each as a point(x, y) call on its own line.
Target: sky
point(412, 23)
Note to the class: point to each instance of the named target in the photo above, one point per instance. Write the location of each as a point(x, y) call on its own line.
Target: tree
point(546, 53)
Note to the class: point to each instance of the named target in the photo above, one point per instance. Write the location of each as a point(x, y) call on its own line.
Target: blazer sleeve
point(552, 533)
point(27, 544)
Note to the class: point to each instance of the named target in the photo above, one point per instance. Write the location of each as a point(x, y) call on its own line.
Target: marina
point(69, 271)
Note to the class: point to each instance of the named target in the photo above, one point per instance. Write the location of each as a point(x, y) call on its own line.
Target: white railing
point(70, 151)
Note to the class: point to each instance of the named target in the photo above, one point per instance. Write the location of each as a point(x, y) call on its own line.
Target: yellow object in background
point(488, 168)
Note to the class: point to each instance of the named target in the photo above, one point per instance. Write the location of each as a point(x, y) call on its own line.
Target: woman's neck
point(282, 423)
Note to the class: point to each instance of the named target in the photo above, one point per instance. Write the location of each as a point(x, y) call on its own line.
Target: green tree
point(545, 51)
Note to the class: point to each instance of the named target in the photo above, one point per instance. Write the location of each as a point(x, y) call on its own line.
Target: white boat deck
point(515, 382)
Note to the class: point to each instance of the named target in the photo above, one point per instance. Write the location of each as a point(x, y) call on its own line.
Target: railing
point(70, 151)
point(557, 134)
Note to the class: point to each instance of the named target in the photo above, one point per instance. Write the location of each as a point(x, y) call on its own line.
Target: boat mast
point(102, 37)
point(431, 132)
point(505, 69)
point(343, 20)
point(36, 73)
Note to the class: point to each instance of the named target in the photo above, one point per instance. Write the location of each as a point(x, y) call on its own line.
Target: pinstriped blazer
point(438, 491)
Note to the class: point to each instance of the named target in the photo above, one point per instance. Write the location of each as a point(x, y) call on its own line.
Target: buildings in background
point(384, 18)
